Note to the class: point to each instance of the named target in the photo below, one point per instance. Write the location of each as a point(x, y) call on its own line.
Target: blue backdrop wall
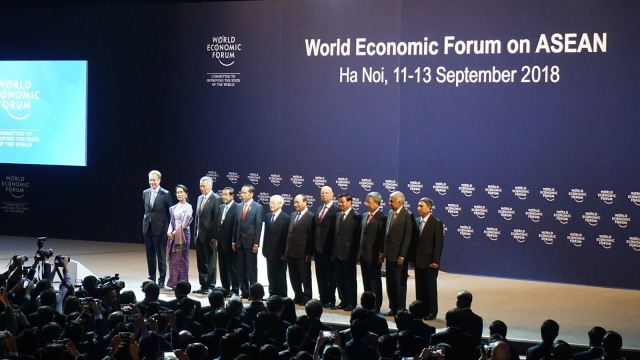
point(517, 118)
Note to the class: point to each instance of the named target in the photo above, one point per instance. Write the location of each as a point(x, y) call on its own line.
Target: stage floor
point(522, 305)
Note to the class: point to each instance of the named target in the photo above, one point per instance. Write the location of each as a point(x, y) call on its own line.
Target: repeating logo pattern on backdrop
point(484, 215)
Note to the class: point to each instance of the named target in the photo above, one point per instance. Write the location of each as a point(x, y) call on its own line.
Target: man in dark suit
point(323, 247)
point(345, 251)
point(470, 322)
point(426, 252)
point(595, 345)
point(374, 224)
point(548, 331)
point(463, 345)
point(400, 224)
point(246, 238)
point(274, 244)
point(206, 231)
point(155, 223)
point(299, 249)
point(227, 258)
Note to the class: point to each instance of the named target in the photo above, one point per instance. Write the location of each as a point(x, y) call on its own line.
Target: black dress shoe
point(161, 285)
point(328, 305)
point(349, 308)
point(391, 313)
point(340, 306)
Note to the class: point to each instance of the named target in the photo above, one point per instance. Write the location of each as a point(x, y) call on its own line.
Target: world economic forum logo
point(493, 191)
point(310, 200)
point(213, 175)
point(576, 239)
point(549, 193)
point(634, 196)
point(492, 233)
point(390, 185)
point(547, 236)
point(480, 211)
point(355, 203)
point(415, 186)
point(287, 199)
point(16, 186)
point(591, 218)
point(297, 180)
point(506, 212)
point(233, 177)
point(320, 181)
point(578, 195)
point(466, 189)
point(441, 188)
point(343, 183)
point(264, 197)
point(634, 243)
point(17, 97)
point(534, 214)
point(520, 192)
point(453, 209)
point(465, 231)
point(254, 178)
point(606, 241)
point(607, 196)
point(562, 216)
point(622, 220)
point(224, 48)
point(275, 179)
point(520, 235)
point(366, 184)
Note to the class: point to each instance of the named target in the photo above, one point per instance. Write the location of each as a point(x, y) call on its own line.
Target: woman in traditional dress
point(179, 237)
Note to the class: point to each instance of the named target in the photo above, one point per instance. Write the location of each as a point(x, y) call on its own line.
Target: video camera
point(111, 280)
point(42, 255)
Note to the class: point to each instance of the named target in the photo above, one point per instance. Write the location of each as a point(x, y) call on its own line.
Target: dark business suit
point(427, 250)
point(322, 252)
point(299, 245)
point(274, 245)
point(206, 229)
point(396, 245)
point(246, 236)
point(371, 246)
point(154, 229)
point(227, 258)
point(345, 253)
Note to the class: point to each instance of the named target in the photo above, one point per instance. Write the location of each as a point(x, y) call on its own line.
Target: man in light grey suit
point(155, 222)
point(206, 231)
point(400, 224)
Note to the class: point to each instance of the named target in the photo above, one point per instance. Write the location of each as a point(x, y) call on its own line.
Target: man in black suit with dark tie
point(274, 244)
point(299, 249)
point(206, 232)
point(155, 223)
point(323, 247)
point(426, 252)
point(246, 238)
point(400, 224)
point(374, 224)
point(227, 258)
point(345, 252)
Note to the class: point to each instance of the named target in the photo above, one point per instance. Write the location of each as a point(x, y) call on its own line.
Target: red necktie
point(369, 217)
point(244, 211)
point(324, 208)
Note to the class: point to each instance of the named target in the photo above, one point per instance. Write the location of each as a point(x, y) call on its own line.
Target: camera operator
point(89, 288)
